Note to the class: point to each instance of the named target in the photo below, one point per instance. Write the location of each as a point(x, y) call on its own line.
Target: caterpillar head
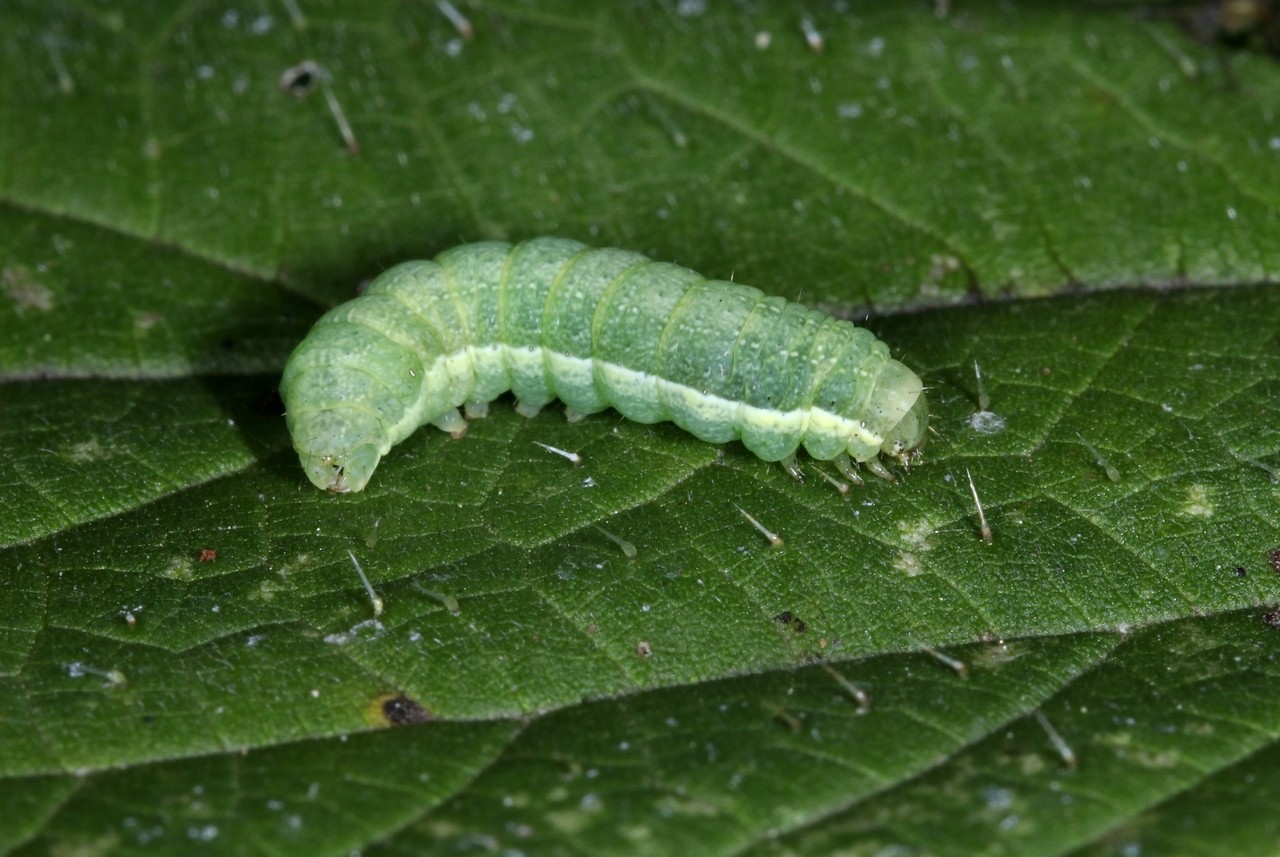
point(898, 412)
point(910, 433)
point(339, 448)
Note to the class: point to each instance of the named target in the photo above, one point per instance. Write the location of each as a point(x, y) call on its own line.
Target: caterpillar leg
point(452, 422)
point(527, 411)
point(573, 416)
point(789, 464)
point(476, 410)
point(877, 467)
point(848, 468)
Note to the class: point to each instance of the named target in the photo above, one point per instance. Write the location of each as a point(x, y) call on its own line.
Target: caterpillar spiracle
point(552, 319)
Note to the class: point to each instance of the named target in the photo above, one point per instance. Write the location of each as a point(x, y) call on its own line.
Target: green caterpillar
point(596, 328)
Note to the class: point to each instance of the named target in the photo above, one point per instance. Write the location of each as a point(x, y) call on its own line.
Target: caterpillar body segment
point(595, 328)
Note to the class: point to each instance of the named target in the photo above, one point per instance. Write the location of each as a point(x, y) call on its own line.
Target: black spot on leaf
point(403, 711)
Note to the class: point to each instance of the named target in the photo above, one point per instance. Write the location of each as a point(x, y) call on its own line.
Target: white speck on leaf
point(986, 422)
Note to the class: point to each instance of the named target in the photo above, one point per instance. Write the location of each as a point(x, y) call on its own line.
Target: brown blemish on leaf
point(208, 555)
point(302, 79)
point(786, 617)
point(397, 710)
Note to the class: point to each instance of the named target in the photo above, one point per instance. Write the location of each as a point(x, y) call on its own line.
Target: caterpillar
point(551, 318)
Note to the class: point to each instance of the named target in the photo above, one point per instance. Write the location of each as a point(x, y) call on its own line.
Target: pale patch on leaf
point(26, 292)
point(1199, 504)
point(179, 568)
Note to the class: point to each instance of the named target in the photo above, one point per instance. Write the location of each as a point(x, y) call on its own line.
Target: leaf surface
point(1077, 206)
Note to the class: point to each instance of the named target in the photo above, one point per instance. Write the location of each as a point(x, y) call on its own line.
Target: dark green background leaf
point(1083, 201)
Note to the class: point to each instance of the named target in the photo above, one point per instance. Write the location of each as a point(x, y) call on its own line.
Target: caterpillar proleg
point(595, 328)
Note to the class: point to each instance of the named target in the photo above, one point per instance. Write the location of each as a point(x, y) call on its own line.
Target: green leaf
point(1064, 217)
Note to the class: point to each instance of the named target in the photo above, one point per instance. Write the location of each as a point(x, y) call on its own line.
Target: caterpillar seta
point(552, 319)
